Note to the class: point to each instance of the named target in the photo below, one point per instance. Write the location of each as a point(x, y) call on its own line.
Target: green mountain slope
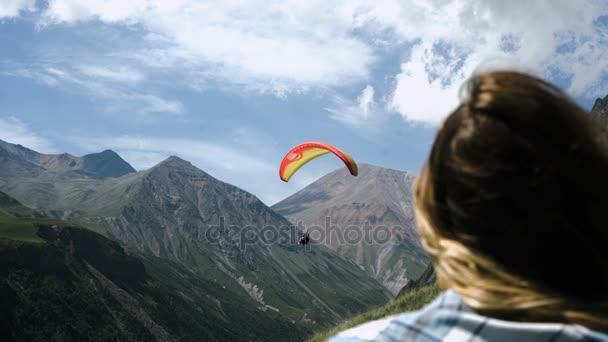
point(428, 277)
point(17, 221)
point(73, 284)
point(414, 300)
point(10, 207)
point(168, 212)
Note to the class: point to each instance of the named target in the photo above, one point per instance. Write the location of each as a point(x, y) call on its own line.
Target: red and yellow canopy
point(303, 153)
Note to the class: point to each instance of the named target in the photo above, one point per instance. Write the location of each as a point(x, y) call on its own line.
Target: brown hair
point(512, 203)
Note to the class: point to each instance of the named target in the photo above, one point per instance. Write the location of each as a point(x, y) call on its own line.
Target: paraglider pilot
point(304, 239)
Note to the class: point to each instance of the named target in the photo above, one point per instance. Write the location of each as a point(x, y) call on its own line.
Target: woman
point(512, 205)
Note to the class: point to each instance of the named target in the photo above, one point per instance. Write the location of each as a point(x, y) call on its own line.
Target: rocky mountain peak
point(176, 161)
point(601, 106)
point(600, 111)
point(98, 165)
point(378, 197)
point(17, 150)
point(374, 184)
point(106, 164)
point(176, 164)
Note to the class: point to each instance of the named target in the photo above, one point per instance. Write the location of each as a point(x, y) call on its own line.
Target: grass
point(19, 231)
point(24, 229)
point(412, 301)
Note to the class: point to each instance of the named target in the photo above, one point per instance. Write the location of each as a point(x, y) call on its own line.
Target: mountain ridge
point(77, 285)
point(378, 199)
point(98, 165)
point(174, 211)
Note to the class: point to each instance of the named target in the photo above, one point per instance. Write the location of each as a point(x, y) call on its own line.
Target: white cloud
point(281, 47)
point(347, 112)
point(115, 90)
point(420, 99)
point(15, 131)
point(120, 74)
point(132, 102)
point(361, 113)
point(11, 8)
point(366, 99)
point(105, 10)
point(291, 46)
point(271, 46)
point(455, 37)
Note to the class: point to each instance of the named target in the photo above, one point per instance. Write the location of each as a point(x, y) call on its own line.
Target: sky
point(232, 85)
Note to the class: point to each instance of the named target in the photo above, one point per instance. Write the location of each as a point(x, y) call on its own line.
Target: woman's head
point(512, 203)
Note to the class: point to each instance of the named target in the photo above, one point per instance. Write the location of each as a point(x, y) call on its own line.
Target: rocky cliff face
point(600, 113)
point(601, 107)
point(368, 218)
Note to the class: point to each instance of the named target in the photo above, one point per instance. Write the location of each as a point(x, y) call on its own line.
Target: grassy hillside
point(61, 282)
point(19, 230)
point(18, 222)
point(409, 302)
point(146, 297)
point(169, 211)
point(77, 281)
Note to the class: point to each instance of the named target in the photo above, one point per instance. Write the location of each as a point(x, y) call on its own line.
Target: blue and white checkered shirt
point(447, 318)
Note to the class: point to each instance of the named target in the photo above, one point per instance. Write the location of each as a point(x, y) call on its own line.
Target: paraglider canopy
point(303, 153)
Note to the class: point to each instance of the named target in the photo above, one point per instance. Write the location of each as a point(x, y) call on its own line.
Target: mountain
point(600, 107)
point(106, 164)
point(178, 213)
point(599, 113)
point(62, 282)
point(10, 207)
point(412, 301)
point(16, 158)
point(364, 206)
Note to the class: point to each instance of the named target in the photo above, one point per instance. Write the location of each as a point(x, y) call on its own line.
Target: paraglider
point(303, 153)
point(304, 239)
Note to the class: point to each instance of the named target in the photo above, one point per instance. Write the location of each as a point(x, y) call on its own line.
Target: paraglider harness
point(304, 239)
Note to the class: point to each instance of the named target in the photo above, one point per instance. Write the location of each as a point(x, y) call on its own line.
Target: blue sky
point(232, 86)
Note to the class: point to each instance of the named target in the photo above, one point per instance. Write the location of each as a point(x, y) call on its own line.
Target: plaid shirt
point(447, 318)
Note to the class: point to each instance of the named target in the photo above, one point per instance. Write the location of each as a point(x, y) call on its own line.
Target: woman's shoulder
point(448, 318)
point(410, 325)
